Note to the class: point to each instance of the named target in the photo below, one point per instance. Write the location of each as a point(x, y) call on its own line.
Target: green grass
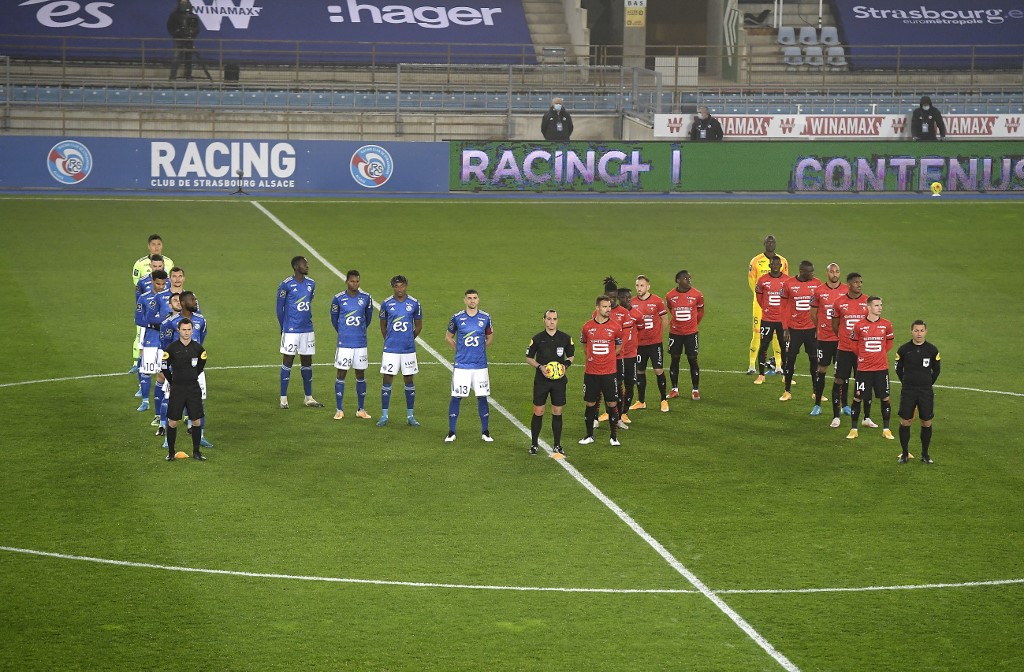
point(746, 492)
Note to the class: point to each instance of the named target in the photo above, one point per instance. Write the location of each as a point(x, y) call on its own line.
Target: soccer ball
point(936, 188)
point(556, 370)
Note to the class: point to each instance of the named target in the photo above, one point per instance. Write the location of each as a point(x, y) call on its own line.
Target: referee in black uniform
point(183, 361)
point(550, 345)
point(917, 366)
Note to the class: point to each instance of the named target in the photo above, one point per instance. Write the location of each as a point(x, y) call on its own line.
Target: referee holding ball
point(183, 361)
point(548, 347)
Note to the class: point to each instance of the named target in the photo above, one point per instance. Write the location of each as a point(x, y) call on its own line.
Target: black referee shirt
point(546, 348)
point(917, 365)
point(183, 363)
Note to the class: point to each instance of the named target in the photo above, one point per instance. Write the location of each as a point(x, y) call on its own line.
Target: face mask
point(926, 107)
point(558, 107)
point(703, 116)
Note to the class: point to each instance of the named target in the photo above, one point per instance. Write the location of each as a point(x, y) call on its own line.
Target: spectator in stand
point(926, 122)
point(557, 123)
point(705, 127)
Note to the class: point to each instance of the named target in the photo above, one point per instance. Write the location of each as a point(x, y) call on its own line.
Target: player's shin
point(484, 409)
point(886, 413)
point(855, 412)
point(673, 371)
point(307, 380)
point(536, 423)
point(556, 428)
point(385, 397)
point(590, 416)
point(286, 376)
point(146, 384)
point(837, 399)
point(197, 435)
point(453, 413)
point(339, 392)
point(641, 386)
point(905, 438)
point(361, 392)
point(926, 439)
point(410, 396)
point(662, 386)
point(694, 373)
point(613, 419)
point(172, 435)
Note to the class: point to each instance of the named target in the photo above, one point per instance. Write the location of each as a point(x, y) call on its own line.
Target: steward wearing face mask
point(705, 127)
point(557, 123)
point(926, 122)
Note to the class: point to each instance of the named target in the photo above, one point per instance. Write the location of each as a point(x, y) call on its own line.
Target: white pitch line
point(470, 586)
point(732, 614)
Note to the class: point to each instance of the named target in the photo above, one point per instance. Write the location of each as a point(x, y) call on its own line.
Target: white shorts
point(391, 364)
point(465, 379)
point(298, 344)
point(151, 358)
point(351, 358)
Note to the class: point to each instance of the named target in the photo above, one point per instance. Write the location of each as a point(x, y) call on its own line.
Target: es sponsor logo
point(65, 14)
point(69, 162)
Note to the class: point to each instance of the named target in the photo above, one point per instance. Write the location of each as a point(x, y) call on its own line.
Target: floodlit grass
point(746, 492)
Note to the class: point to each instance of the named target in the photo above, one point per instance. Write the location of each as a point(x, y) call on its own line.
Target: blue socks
point(485, 413)
point(307, 380)
point(410, 396)
point(339, 391)
point(385, 398)
point(360, 393)
point(453, 413)
point(286, 375)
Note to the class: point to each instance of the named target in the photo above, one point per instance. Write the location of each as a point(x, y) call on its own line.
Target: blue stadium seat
point(119, 96)
point(343, 99)
point(321, 99)
point(386, 101)
point(277, 99)
point(72, 94)
point(141, 97)
point(364, 101)
point(299, 99)
point(185, 97)
point(787, 36)
point(231, 98)
point(209, 98)
point(792, 57)
point(254, 98)
point(476, 101)
point(95, 96)
point(163, 97)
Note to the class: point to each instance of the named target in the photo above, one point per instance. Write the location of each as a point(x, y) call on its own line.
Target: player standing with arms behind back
point(295, 316)
point(549, 347)
point(873, 338)
point(798, 329)
point(602, 337)
point(470, 332)
point(351, 312)
point(825, 295)
point(651, 344)
point(759, 266)
point(686, 307)
point(401, 319)
point(918, 367)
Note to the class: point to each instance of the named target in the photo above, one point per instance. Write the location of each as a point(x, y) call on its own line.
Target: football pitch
point(731, 533)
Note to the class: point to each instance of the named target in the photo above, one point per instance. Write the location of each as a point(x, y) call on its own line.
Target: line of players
point(835, 322)
point(162, 305)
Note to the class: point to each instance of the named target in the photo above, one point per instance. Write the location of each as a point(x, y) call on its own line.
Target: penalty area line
point(673, 562)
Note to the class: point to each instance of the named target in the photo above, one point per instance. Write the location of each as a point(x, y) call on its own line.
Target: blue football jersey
point(401, 317)
point(169, 330)
point(144, 285)
point(351, 316)
point(470, 334)
point(198, 327)
point(150, 311)
point(294, 305)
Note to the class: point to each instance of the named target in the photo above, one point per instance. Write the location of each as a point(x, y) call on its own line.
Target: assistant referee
point(550, 345)
point(183, 361)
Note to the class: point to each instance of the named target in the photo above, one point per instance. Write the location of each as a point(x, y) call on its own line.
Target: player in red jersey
point(686, 307)
point(797, 325)
point(821, 313)
point(620, 315)
point(602, 338)
point(847, 310)
point(651, 342)
point(632, 325)
point(873, 338)
point(769, 297)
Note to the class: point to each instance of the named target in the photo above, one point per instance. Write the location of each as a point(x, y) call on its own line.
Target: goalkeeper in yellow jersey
point(759, 265)
point(141, 270)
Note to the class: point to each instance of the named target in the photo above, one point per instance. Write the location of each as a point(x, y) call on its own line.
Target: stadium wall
point(295, 168)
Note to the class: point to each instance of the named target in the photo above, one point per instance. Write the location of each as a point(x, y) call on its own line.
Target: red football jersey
point(850, 312)
point(626, 320)
point(600, 340)
point(796, 303)
point(822, 301)
point(769, 296)
point(873, 340)
point(686, 310)
point(651, 310)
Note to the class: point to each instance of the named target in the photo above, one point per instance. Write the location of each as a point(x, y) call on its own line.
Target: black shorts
point(846, 364)
point(768, 331)
point(627, 371)
point(922, 398)
point(655, 353)
point(596, 386)
point(182, 397)
point(805, 338)
point(872, 381)
point(677, 343)
point(545, 387)
point(826, 352)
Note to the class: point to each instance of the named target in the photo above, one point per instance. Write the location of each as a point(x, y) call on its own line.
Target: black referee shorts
point(654, 352)
point(545, 387)
point(595, 386)
point(921, 398)
point(182, 397)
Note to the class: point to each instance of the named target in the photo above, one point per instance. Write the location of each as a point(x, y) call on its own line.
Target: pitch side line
point(276, 366)
point(622, 515)
point(467, 586)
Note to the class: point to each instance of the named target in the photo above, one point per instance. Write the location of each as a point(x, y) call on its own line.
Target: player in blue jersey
point(294, 314)
point(351, 312)
point(144, 284)
point(150, 310)
point(142, 268)
point(401, 318)
point(470, 333)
